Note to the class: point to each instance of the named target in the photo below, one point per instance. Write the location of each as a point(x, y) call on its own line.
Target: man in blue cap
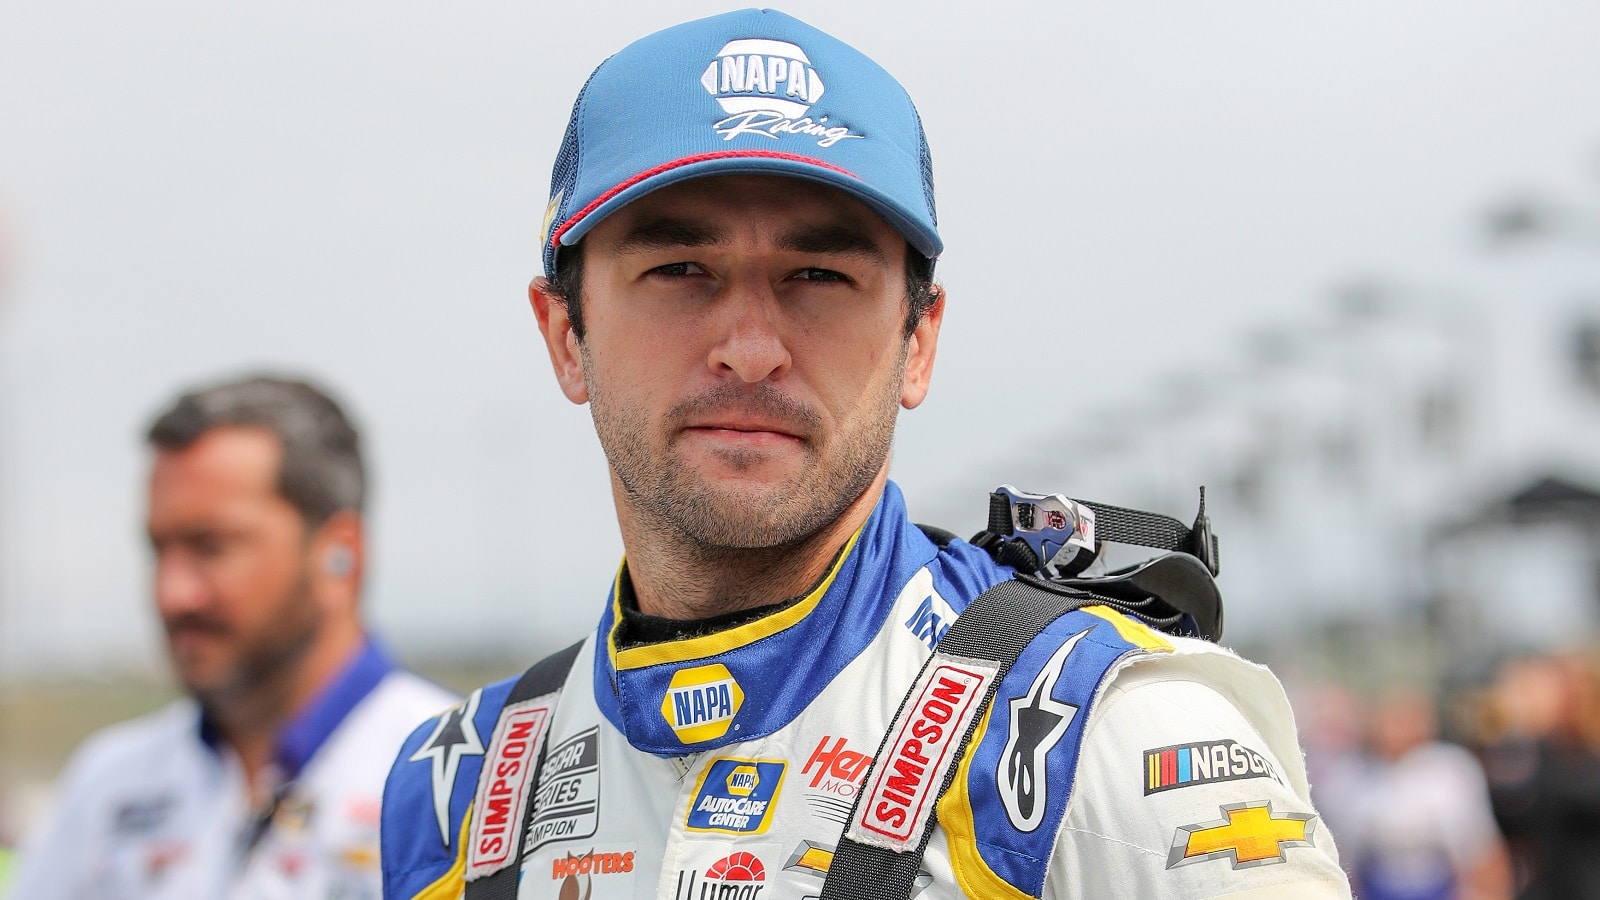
point(739, 252)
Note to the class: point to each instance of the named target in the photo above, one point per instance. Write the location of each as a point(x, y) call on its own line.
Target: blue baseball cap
point(754, 91)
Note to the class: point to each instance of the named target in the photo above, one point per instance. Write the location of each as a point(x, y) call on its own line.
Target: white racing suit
point(1113, 761)
point(157, 808)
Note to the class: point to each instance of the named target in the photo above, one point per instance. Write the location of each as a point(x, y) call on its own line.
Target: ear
point(922, 345)
point(337, 555)
point(559, 339)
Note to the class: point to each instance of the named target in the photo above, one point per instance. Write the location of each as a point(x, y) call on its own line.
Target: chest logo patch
point(574, 875)
point(1248, 835)
point(736, 796)
point(568, 798)
point(1038, 721)
point(839, 769)
point(701, 703)
point(740, 875)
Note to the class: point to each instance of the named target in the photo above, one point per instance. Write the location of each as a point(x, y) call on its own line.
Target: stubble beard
point(259, 678)
point(677, 502)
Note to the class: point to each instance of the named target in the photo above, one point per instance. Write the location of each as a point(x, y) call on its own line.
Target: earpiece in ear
point(338, 561)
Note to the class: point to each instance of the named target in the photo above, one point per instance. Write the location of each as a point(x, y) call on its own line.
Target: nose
point(180, 585)
point(750, 343)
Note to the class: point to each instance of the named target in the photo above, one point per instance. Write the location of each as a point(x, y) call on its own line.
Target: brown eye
point(679, 269)
point(815, 274)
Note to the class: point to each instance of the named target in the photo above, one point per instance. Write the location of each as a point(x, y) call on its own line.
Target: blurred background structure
point(1341, 265)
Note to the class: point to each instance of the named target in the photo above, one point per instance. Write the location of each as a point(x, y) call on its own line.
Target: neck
point(678, 578)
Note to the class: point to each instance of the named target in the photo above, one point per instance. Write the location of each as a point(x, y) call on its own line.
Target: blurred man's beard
point(262, 667)
point(731, 517)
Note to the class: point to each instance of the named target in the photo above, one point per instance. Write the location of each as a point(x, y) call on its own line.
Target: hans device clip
point(1055, 533)
point(1051, 539)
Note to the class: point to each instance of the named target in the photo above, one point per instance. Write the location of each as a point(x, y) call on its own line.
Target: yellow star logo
point(1248, 834)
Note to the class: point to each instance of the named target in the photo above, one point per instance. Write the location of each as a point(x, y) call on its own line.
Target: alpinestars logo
point(1037, 722)
point(766, 87)
point(453, 737)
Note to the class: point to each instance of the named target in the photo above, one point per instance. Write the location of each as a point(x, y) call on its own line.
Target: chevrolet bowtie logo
point(1249, 835)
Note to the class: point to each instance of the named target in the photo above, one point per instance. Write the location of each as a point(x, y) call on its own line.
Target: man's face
point(232, 584)
point(745, 355)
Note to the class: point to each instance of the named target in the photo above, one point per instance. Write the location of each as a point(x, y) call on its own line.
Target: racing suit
point(1113, 762)
point(157, 808)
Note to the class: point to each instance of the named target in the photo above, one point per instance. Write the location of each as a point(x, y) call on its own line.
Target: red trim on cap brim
point(555, 238)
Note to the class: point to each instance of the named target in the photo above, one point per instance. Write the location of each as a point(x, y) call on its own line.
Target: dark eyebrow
point(664, 234)
point(669, 233)
point(841, 239)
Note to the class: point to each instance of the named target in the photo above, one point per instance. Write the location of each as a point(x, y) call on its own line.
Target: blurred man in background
point(266, 780)
point(1416, 822)
point(1544, 772)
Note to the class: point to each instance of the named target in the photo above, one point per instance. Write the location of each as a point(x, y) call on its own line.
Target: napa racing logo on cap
point(701, 703)
point(736, 796)
point(767, 87)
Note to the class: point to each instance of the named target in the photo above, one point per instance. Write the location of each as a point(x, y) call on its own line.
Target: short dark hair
point(567, 284)
point(321, 472)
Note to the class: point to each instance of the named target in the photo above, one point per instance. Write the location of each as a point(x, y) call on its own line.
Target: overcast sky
point(353, 191)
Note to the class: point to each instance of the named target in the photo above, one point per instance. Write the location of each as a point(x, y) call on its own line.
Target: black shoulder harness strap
point(994, 628)
point(544, 677)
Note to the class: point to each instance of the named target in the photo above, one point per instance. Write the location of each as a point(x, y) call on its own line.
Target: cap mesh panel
point(925, 157)
point(564, 177)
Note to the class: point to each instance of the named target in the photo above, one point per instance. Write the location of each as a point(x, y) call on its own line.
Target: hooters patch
point(508, 765)
point(902, 790)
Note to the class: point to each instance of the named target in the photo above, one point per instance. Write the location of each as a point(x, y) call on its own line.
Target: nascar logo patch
point(1208, 762)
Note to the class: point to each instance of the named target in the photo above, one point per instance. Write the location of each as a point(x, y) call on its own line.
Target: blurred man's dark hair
point(321, 472)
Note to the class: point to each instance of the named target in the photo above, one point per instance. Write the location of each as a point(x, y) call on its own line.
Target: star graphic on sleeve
point(454, 736)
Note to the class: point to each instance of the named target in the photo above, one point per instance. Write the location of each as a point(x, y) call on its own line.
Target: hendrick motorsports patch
point(1208, 762)
point(735, 796)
